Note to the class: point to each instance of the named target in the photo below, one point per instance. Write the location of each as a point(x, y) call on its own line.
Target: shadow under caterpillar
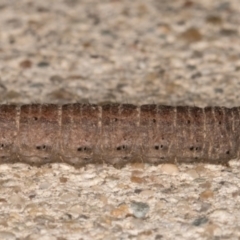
point(117, 134)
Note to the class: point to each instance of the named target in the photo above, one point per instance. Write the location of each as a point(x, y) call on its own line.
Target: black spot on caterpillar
point(118, 134)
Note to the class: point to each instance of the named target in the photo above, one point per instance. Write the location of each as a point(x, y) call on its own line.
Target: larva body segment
point(119, 138)
point(79, 131)
point(166, 132)
point(148, 137)
point(117, 134)
point(9, 132)
point(38, 133)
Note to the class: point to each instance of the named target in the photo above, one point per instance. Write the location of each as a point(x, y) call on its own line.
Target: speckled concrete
point(168, 52)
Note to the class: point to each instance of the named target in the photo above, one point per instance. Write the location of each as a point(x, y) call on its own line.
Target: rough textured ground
point(153, 51)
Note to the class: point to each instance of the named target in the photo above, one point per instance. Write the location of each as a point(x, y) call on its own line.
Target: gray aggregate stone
point(139, 209)
point(4, 235)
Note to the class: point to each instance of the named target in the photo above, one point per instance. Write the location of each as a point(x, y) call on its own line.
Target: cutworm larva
point(118, 134)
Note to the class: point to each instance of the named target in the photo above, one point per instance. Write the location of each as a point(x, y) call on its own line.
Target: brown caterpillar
point(117, 134)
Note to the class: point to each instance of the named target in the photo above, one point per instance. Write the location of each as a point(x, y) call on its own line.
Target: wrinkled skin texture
point(118, 134)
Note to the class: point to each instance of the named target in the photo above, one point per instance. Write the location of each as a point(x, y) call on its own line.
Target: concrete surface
point(178, 52)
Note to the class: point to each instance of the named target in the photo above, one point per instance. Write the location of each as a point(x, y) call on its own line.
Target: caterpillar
point(117, 134)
